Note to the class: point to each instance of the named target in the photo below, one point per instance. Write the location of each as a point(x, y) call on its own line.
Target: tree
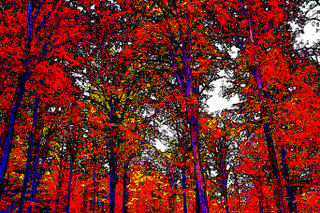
point(27, 61)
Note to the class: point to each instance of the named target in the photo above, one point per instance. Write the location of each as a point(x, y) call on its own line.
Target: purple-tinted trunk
point(185, 82)
point(198, 206)
point(113, 181)
point(185, 210)
point(252, 36)
point(112, 162)
point(224, 176)
point(173, 196)
point(196, 155)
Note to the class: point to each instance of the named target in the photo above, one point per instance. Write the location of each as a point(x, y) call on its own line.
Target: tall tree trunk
point(237, 188)
point(72, 151)
point(10, 129)
point(35, 174)
point(173, 196)
point(112, 160)
point(185, 210)
point(34, 178)
point(198, 207)
point(70, 182)
point(172, 204)
point(113, 174)
point(290, 192)
point(113, 180)
point(271, 149)
point(193, 120)
point(96, 161)
point(29, 157)
point(189, 90)
point(60, 181)
point(224, 176)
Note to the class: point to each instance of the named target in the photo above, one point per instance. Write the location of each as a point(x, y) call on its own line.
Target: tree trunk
point(271, 149)
point(186, 85)
point(260, 195)
point(10, 128)
point(38, 172)
point(35, 174)
point(112, 161)
point(290, 192)
point(237, 188)
point(185, 210)
point(34, 177)
point(173, 196)
point(198, 207)
point(70, 182)
point(224, 176)
point(113, 180)
point(29, 157)
point(193, 120)
point(60, 181)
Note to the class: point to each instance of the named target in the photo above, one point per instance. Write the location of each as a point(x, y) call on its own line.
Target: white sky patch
point(234, 51)
point(167, 133)
point(160, 146)
point(218, 103)
point(310, 35)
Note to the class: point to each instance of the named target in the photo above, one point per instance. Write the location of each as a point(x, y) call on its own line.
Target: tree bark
point(185, 210)
point(10, 129)
point(271, 149)
point(113, 180)
point(173, 196)
point(60, 181)
point(70, 182)
point(224, 176)
point(29, 157)
point(290, 192)
point(187, 88)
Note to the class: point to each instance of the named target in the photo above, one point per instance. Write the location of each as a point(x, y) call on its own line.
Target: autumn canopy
point(104, 106)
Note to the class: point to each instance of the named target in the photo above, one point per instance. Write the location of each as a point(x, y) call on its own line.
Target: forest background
point(107, 106)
